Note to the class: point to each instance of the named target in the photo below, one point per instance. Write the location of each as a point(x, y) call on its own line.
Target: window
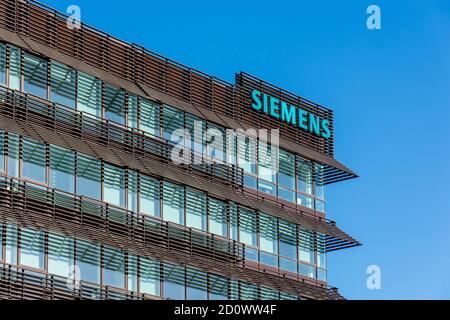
point(288, 246)
point(62, 84)
point(89, 94)
point(149, 196)
point(62, 169)
point(14, 68)
point(35, 75)
point(2, 150)
point(173, 201)
point(34, 166)
point(268, 240)
point(218, 287)
point(60, 255)
point(132, 272)
point(88, 176)
point(13, 154)
point(247, 227)
point(196, 127)
point(2, 63)
point(132, 111)
point(216, 142)
point(195, 209)
point(248, 291)
point(132, 190)
point(174, 282)
point(304, 176)
point(149, 117)
point(32, 248)
point(173, 119)
point(114, 267)
point(267, 168)
point(114, 101)
point(286, 176)
point(150, 276)
point(269, 294)
point(246, 159)
point(306, 246)
point(217, 217)
point(114, 185)
point(87, 259)
point(196, 284)
point(11, 244)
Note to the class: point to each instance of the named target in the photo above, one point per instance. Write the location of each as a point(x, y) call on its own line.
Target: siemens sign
point(291, 114)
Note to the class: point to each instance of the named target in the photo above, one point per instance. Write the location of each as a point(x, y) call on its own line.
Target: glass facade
point(268, 240)
point(83, 260)
point(297, 181)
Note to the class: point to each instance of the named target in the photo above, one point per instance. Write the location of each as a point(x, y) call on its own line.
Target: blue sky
point(389, 88)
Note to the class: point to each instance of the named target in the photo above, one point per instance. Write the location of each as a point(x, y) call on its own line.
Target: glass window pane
point(247, 227)
point(11, 244)
point(35, 75)
point(195, 209)
point(216, 143)
point(132, 190)
point(286, 173)
point(14, 68)
point(246, 153)
point(33, 160)
point(132, 111)
point(306, 246)
point(266, 162)
point(307, 270)
point(62, 169)
point(173, 200)
point(173, 119)
point(248, 291)
point(196, 128)
point(60, 255)
point(13, 154)
point(2, 150)
point(89, 94)
point(114, 267)
point(174, 282)
point(218, 287)
point(288, 239)
point(32, 248)
point(149, 196)
point(305, 201)
point(62, 84)
point(88, 261)
point(268, 233)
point(132, 272)
point(196, 285)
point(217, 216)
point(150, 276)
point(304, 176)
point(288, 265)
point(149, 116)
point(320, 188)
point(114, 185)
point(88, 176)
point(2, 63)
point(269, 294)
point(114, 101)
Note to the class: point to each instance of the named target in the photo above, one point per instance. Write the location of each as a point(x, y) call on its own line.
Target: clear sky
point(389, 88)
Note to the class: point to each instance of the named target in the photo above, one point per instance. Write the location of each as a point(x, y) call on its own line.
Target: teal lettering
point(265, 103)
point(302, 118)
point(256, 97)
point(288, 113)
point(314, 125)
point(274, 107)
point(326, 128)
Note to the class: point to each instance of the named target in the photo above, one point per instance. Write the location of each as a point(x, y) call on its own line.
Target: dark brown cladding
point(214, 99)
